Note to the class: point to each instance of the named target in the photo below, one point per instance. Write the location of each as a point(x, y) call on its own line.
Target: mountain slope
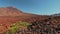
point(9, 11)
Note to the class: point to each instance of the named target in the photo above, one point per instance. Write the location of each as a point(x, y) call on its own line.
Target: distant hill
point(56, 14)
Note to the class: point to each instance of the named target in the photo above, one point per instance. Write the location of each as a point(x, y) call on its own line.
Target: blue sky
point(41, 7)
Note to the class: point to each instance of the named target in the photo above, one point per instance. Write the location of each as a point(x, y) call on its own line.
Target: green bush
point(13, 28)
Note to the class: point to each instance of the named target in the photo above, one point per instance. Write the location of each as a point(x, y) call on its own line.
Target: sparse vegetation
point(13, 28)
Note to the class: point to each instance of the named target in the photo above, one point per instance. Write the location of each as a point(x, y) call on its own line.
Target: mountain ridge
point(9, 11)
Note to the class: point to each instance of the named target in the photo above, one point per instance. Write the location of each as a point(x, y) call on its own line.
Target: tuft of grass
point(13, 28)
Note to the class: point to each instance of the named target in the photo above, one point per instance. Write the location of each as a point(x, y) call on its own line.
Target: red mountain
point(9, 11)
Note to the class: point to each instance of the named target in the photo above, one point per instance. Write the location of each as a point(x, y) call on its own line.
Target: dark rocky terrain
point(47, 26)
